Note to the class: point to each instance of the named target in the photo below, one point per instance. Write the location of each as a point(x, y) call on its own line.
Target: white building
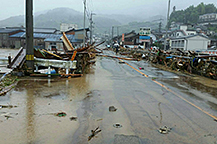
point(208, 17)
point(191, 42)
point(188, 30)
point(65, 27)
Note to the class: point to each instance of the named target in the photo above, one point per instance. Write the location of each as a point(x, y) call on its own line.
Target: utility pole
point(112, 33)
point(91, 26)
point(160, 25)
point(117, 31)
point(84, 21)
point(167, 26)
point(29, 35)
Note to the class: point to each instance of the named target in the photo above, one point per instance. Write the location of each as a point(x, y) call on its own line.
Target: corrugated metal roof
point(3, 30)
point(36, 30)
point(46, 37)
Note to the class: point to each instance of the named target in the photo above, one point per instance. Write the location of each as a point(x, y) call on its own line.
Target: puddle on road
point(36, 100)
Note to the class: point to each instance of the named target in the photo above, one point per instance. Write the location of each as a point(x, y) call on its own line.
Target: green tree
point(210, 8)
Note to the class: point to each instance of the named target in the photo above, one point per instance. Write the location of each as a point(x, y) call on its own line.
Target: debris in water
point(141, 68)
point(7, 117)
point(7, 106)
point(61, 114)
point(112, 109)
point(215, 120)
point(94, 133)
point(164, 130)
point(121, 62)
point(73, 118)
point(117, 125)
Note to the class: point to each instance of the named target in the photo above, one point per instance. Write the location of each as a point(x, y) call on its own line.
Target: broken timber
point(67, 43)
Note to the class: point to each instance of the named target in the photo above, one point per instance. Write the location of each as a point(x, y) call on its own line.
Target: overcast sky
point(150, 7)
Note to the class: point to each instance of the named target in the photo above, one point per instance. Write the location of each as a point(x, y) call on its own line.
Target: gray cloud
point(130, 7)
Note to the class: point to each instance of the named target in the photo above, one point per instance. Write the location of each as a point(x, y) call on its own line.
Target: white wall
point(197, 43)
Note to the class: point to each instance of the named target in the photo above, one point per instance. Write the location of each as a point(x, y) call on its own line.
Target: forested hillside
point(191, 14)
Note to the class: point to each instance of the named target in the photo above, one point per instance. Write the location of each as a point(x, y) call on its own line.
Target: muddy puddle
point(42, 110)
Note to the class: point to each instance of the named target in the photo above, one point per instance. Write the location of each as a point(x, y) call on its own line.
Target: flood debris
point(73, 118)
point(7, 83)
point(112, 109)
point(94, 133)
point(74, 61)
point(99, 119)
point(8, 115)
point(164, 130)
point(61, 114)
point(117, 125)
point(7, 106)
point(191, 62)
point(187, 62)
point(121, 62)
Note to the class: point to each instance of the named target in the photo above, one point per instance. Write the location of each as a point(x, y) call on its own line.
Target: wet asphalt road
point(142, 108)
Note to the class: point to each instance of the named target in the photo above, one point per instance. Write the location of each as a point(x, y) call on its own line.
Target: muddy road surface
point(144, 99)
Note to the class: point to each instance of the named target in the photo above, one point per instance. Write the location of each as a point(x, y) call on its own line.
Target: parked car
point(213, 47)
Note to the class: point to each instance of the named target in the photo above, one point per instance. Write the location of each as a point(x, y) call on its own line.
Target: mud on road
point(54, 111)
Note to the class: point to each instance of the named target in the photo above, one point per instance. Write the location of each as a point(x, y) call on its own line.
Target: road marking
point(214, 117)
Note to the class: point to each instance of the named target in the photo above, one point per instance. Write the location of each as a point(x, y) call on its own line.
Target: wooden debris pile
point(185, 61)
point(84, 55)
point(192, 62)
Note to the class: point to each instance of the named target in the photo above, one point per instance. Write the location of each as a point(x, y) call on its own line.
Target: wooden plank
point(66, 42)
point(52, 54)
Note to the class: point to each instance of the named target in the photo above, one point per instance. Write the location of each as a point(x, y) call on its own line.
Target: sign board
point(144, 37)
point(146, 31)
point(122, 37)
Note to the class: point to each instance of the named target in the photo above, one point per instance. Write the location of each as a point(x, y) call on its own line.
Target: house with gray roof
point(191, 42)
point(4, 37)
point(42, 40)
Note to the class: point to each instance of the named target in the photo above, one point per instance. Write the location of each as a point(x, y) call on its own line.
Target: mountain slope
point(102, 23)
